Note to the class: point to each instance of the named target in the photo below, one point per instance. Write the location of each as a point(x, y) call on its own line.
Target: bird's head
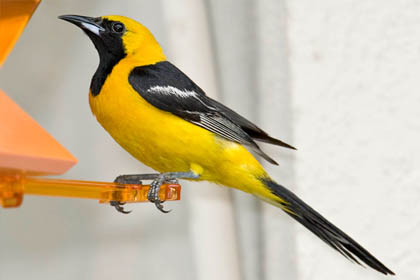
point(116, 37)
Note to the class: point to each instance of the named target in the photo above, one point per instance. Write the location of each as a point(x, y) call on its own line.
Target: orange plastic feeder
point(14, 15)
point(26, 146)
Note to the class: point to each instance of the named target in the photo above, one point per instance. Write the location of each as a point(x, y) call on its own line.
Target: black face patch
point(110, 48)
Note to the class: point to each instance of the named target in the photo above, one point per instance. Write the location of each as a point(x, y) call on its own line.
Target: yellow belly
point(166, 142)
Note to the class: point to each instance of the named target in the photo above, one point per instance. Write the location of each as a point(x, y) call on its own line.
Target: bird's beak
point(88, 24)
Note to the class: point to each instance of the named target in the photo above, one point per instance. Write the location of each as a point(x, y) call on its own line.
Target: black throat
point(106, 64)
point(111, 51)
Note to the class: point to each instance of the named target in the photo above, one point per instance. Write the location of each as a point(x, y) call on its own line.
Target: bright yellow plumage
point(168, 143)
point(164, 120)
point(160, 139)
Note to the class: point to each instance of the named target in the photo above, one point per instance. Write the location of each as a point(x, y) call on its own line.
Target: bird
point(165, 120)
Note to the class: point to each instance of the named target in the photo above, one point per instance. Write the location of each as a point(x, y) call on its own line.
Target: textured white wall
point(275, 116)
point(355, 69)
point(250, 42)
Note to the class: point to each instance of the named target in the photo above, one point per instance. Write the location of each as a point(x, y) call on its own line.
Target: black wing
point(167, 88)
point(251, 129)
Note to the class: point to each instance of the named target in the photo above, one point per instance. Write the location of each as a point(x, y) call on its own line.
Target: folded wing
point(167, 88)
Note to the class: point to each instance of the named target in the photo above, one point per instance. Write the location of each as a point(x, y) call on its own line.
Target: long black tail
point(322, 228)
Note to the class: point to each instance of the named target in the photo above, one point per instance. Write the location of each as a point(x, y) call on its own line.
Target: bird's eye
point(118, 27)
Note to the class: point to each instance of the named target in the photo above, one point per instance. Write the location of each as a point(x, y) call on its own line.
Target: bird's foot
point(118, 206)
point(169, 177)
point(158, 181)
point(129, 179)
point(153, 194)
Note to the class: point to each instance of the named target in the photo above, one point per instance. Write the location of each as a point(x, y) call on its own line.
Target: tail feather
point(322, 228)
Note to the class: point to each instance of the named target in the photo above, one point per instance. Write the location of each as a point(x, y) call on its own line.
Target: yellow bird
point(162, 118)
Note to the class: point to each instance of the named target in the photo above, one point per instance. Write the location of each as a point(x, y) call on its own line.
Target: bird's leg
point(158, 180)
point(171, 177)
point(130, 179)
point(135, 178)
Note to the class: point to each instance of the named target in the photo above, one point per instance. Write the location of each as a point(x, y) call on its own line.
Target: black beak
point(88, 24)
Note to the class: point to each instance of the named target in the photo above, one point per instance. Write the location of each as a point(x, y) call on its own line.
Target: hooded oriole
point(161, 117)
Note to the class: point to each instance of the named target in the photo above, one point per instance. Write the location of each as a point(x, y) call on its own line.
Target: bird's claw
point(118, 206)
point(159, 206)
point(153, 194)
point(121, 180)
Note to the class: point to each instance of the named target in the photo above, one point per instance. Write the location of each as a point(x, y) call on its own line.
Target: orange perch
point(13, 187)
